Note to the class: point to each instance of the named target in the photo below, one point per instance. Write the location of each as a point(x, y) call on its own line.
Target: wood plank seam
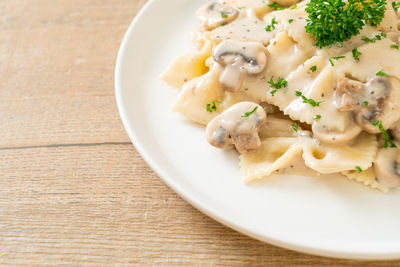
point(67, 145)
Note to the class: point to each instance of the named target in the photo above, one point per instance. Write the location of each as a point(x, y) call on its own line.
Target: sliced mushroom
point(387, 167)
point(238, 125)
point(215, 14)
point(371, 101)
point(334, 136)
point(238, 59)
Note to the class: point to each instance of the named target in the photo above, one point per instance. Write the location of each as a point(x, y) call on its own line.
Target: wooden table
point(73, 190)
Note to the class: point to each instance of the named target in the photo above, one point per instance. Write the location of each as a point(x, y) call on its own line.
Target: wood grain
point(73, 190)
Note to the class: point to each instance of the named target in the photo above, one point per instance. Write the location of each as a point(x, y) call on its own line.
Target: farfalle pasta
point(265, 81)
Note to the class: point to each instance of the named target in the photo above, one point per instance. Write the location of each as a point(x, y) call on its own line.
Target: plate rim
point(197, 203)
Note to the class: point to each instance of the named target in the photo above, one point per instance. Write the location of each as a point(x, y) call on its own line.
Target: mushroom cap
point(387, 167)
point(249, 56)
point(334, 136)
point(386, 109)
point(238, 125)
point(214, 14)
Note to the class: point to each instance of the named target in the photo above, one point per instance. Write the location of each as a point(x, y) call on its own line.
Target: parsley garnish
point(293, 6)
point(335, 21)
point(394, 46)
point(241, 7)
point(396, 5)
point(210, 107)
point(295, 127)
point(356, 54)
point(247, 114)
point(317, 117)
point(383, 35)
point(313, 68)
point(382, 73)
point(365, 103)
point(358, 169)
point(368, 40)
point(274, 5)
point(290, 20)
point(388, 140)
point(310, 101)
point(224, 15)
point(272, 26)
point(335, 58)
point(278, 85)
point(247, 88)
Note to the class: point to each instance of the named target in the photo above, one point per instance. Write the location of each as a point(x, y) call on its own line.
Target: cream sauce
point(254, 47)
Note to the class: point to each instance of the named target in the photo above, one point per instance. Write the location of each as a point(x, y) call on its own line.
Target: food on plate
point(297, 87)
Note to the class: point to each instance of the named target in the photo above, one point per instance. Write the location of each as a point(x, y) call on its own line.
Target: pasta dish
point(297, 87)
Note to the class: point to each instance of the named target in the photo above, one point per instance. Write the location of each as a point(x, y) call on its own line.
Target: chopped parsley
point(293, 6)
point(247, 114)
point(310, 101)
point(295, 127)
point(382, 73)
point(275, 6)
point(313, 68)
point(356, 54)
point(388, 139)
point(281, 82)
point(247, 88)
point(210, 107)
point(358, 169)
point(224, 15)
point(271, 26)
point(368, 40)
point(335, 58)
point(396, 5)
point(317, 117)
point(290, 20)
point(365, 103)
point(394, 46)
point(336, 21)
point(241, 7)
point(373, 40)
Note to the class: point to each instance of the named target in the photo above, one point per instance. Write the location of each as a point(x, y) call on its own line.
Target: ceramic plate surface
point(330, 217)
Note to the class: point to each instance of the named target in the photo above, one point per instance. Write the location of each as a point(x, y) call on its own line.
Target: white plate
point(330, 217)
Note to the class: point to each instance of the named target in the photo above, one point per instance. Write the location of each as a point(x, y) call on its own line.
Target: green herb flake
point(210, 107)
point(293, 6)
point(356, 54)
point(271, 26)
point(368, 40)
point(358, 169)
point(388, 139)
point(275, 6)
point(383, 35)
point(382, 73)
point(247, 88)
point(394, 46)
point(396, 5)
point(336, 21)
point(365, 103)
point(224, 15)
point(335, 58)
point(313, 68)
point(317, 117)
point(280, 83)
point(290, 20)
point(295, 127)
point(241, 7)
point(247, 114)
point(310, 101)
